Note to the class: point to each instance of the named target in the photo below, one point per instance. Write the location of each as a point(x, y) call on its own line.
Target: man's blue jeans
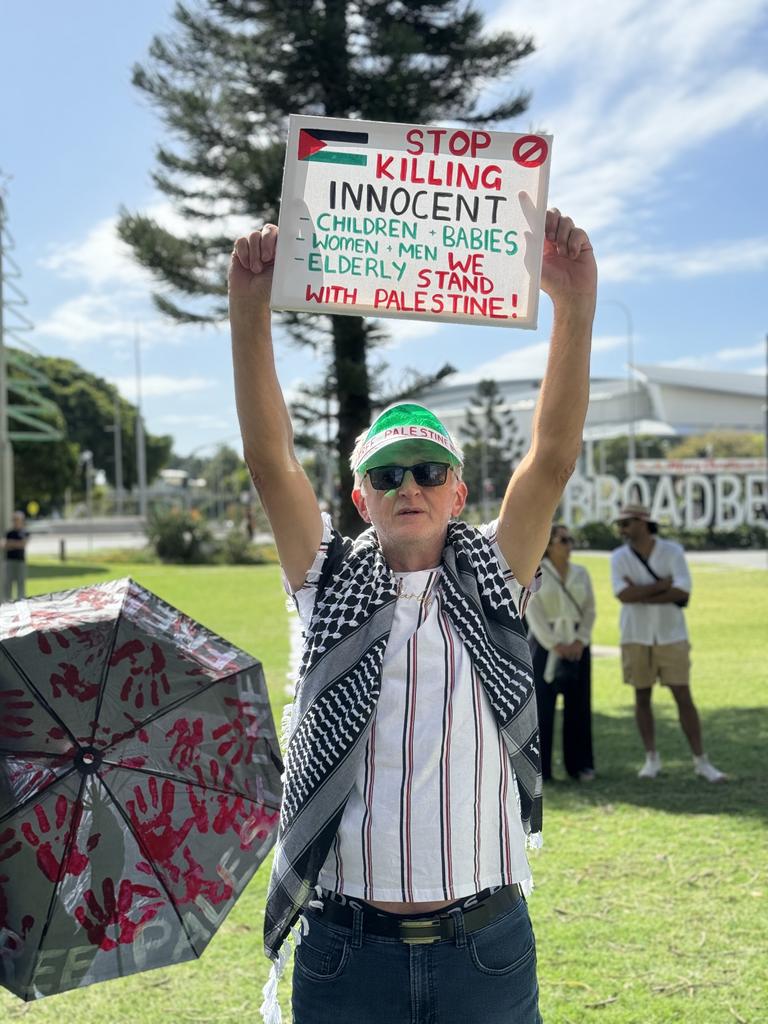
point(342, 976)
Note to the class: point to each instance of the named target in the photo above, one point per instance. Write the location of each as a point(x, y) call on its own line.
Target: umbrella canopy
point(139, 785)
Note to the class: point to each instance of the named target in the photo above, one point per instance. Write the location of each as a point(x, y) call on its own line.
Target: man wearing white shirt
point(650, 577)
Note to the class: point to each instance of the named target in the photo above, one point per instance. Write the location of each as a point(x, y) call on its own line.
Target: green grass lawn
point(650, 901)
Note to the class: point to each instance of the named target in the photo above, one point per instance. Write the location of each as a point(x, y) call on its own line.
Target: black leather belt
point(415, 930)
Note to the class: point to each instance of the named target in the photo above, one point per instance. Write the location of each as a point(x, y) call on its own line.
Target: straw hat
point(641, 512)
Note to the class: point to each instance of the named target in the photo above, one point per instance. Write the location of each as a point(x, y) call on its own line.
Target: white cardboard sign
point(412, 221)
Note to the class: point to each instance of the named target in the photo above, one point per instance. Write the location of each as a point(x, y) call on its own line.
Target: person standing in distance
point(560, 617)
point(650, 578)
point(15, 545)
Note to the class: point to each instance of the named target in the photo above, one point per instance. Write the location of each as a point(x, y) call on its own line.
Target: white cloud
point(748, 255)
point(99, 259)
point(108, 317)
point(409, 330)
point(160, 386)
point(707, 360)
point(116, 289)
point(86, 318)
point(608, 342)
point(647, 84)
point(528, 361)
point(745, 352)
point(203, 420)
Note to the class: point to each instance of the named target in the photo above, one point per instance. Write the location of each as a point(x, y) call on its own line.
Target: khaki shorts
point(644, 664)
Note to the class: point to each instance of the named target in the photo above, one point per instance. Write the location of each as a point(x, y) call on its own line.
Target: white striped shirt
point(434, 813)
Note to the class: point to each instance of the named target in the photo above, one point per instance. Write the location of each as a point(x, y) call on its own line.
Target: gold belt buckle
point(419, 940)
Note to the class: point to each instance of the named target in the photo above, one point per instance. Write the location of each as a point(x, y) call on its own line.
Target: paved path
point(736, 558)
point(47, 544)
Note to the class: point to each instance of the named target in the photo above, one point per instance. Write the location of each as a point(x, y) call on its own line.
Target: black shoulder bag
point(683, 602)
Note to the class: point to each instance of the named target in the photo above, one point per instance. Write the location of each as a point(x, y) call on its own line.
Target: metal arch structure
point(28, 414)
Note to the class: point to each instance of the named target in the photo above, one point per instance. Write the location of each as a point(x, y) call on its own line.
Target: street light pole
point(141, 452)
point(630, 375)
point(86, 461)
point(117, 430)
point(6, 451)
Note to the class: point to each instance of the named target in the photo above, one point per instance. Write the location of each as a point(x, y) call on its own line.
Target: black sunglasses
point(565, 540)
point(425, 474)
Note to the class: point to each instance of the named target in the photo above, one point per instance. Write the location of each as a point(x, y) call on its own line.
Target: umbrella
point(139, 785)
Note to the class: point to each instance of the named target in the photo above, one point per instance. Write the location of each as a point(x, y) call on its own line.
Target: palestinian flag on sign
point(315, 145)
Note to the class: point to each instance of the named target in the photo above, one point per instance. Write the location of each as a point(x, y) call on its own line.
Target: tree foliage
point(44, 470)
point(492, 443)
point(224, 83)
point(719, 444)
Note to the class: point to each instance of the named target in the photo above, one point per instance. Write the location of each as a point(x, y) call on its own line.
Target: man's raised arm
point(265, 425)
point(569, 277)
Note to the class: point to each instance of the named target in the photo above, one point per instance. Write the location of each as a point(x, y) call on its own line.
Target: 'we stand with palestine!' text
point(410, 221)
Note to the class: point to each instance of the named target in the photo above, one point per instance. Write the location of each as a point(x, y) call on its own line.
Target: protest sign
point(403, 220)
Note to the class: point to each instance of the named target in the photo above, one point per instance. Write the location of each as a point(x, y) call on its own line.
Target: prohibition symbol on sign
point(530, 151)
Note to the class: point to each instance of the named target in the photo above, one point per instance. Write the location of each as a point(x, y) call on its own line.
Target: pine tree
point(224, 83)
point(493, 445)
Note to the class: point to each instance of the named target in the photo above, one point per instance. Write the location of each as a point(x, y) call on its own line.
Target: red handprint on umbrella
point(195, 884)
point(14, 718)
point(187, 740)
point(143, 679)
point(10, 844)
point(116, 913)
point(242, 732)
point(69, 680)
point(153, 822)
point(67, 820)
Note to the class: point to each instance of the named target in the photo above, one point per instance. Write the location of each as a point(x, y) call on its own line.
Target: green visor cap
point(404, 422)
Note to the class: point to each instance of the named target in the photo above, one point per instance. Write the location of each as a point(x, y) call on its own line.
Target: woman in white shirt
point(560, 618)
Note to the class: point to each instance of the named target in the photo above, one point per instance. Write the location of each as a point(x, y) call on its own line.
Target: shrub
point(180, 535)
point(598, 536)
point(234, 548)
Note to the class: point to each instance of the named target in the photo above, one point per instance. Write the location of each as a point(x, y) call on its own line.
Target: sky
point(659, 114)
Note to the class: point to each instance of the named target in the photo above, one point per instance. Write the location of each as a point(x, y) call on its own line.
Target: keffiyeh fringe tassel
point(270, 1008)
point(534, 841)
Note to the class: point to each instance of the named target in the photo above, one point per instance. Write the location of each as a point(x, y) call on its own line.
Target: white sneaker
point(703, 766)
point(652, 766)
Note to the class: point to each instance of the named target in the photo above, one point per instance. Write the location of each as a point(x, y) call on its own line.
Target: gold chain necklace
point(424, 598)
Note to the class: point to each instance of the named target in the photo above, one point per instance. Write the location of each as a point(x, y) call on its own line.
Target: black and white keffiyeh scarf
point(338, 688)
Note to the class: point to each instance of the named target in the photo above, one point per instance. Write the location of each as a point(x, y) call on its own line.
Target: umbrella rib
point(34, 796)
point(148, 855)
point(36, 693)
point(172, 707)
point(189, 782)
point(105, 674)
point(62, 870)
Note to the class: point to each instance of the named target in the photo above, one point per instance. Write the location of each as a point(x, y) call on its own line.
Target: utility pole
point(117, 430)
point(86, 461)
point(141, 452)
point(6, 451)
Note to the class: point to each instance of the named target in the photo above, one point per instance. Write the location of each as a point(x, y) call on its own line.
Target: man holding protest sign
point(412, 762)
